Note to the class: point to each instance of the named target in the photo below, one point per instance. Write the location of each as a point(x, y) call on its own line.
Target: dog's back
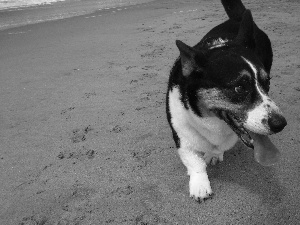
point(230, 28)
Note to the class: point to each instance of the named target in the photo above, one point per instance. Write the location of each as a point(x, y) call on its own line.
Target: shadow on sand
point(240, 167)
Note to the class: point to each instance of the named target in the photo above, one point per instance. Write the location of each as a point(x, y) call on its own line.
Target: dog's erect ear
point(245, 35)
point(190, 58)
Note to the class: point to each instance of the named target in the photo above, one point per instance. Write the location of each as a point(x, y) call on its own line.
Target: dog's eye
point(239, 89)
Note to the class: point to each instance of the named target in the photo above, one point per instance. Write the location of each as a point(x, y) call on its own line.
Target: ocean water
point(15, 13)
point(5, 4)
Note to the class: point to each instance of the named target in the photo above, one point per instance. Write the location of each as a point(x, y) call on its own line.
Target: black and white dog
point(218, 93)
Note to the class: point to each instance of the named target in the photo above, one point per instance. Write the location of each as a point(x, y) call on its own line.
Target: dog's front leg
point(199, 183)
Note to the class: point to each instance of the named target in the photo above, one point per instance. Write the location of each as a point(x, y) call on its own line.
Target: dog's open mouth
point(265, 151)
point(237, 127)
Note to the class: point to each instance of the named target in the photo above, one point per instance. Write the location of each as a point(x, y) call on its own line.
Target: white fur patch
point(258, 117)
point(195, 129)
point(198, 135)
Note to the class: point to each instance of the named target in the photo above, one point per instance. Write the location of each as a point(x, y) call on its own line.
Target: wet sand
point(83, 133)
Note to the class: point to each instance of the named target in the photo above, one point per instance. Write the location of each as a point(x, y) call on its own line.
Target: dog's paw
point(214, 161)
point(200, 187)
point(213, 158)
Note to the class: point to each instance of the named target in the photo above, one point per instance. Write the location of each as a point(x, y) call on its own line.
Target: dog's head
point(228, 78)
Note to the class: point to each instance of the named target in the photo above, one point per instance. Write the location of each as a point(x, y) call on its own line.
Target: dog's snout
point(276, 122)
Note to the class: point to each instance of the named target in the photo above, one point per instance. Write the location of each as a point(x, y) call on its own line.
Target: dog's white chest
point(216, 131)
point(199, 131)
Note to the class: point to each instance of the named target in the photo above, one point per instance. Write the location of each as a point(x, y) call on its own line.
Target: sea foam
point(5, 4)
point(16, 13)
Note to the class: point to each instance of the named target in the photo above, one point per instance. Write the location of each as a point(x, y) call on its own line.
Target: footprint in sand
point(66, 112)
point(79, 135)
point(158, 51)
point(80, 154)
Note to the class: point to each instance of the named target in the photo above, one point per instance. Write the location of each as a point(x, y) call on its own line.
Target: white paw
point(200, 186)
point(214, 161)
point(213, 158)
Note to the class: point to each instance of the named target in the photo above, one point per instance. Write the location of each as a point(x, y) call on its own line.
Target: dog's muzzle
point(265, 152)
point(237, 127)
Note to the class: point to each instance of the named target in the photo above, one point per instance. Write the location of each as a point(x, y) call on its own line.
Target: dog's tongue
point(265, 152)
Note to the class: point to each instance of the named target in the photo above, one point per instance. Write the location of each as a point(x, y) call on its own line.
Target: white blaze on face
point(257, 118)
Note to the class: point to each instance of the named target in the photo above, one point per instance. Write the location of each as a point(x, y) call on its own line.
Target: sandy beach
point(83, 132)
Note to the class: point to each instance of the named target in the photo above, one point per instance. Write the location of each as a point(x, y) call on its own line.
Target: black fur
point(234, 9)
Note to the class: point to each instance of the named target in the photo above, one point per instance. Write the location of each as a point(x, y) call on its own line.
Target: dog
point(218, 93)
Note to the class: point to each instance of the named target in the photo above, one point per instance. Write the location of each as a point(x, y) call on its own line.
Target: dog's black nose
point(276, 122)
